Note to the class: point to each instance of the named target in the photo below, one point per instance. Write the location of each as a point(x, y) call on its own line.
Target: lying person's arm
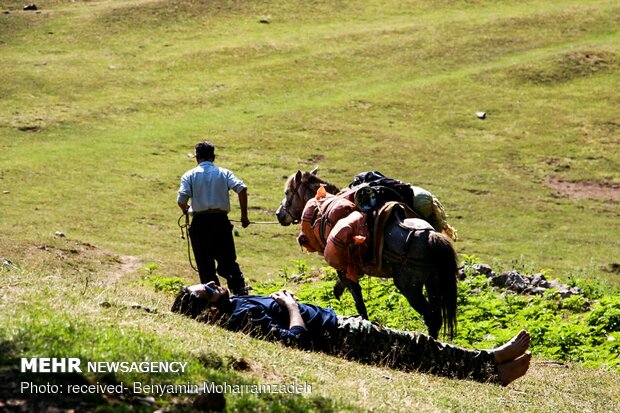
point(297, 332)
point(262, 323)
point(285, 299)
point(253, 316)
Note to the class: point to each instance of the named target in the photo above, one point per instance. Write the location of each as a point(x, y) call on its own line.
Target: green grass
point(131, 103)
point(583, 328)
point(101, 101)
point(101, 323)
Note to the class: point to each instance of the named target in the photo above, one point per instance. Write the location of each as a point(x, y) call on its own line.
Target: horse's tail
point(444, 260)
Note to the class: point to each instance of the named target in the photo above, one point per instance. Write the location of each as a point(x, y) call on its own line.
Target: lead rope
point(185, 235)
point(257, 222)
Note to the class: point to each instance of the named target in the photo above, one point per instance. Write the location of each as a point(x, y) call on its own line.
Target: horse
point(415, 256)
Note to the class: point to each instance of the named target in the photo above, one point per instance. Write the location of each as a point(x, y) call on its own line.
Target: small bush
point(160, 283)
point(606, 316)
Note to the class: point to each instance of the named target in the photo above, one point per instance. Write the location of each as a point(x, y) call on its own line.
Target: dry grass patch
point(569, 66)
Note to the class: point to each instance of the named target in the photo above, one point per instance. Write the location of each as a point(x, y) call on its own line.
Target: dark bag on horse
point(376, 190)
point(386, 189)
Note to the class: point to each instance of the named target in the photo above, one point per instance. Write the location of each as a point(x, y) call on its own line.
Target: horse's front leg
point(339, 288)
point(356, 291)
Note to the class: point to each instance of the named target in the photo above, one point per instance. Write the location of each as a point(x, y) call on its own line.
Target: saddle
point(331, 226)
point(319, 217)
point(424, 203)
point(394, 230)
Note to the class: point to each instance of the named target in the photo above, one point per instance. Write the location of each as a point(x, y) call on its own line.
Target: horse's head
point(295, 199)
point(299, 189)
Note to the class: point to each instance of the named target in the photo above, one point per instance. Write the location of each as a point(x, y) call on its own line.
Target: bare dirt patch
point(128, 264)
point(74, 256)
point(585, 189)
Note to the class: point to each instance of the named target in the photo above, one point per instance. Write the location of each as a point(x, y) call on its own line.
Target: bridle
point(286, 205)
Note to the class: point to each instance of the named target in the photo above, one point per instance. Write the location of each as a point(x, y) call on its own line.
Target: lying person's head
point(206, 301)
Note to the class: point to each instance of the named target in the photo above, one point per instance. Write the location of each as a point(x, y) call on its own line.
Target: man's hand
point(245, 221)
point(243, 205)
point(285, 298)
point(199, 290)
point(184, 207)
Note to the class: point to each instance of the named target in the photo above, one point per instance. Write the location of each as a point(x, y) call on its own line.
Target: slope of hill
point(101, 102)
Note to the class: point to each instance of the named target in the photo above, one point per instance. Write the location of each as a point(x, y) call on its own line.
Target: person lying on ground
point(280, 317)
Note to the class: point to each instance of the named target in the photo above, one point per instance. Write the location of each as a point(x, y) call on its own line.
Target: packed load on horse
point(372, 228)
point(332, 225)
point(339, 226)
point(382, 189)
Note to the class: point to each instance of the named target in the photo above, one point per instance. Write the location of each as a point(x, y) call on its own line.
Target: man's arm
point(243, 204)
point(263, 325)
point(184, 194)
point(184, 206)
point(285, 299)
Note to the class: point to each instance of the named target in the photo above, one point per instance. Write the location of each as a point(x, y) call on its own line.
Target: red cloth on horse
point(347, 244)
point(318, 219)
point(331, 225)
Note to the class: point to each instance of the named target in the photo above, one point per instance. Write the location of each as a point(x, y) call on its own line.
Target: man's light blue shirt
point(207, 185)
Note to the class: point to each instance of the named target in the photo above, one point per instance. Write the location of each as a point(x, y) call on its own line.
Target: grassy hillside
point(101, 102)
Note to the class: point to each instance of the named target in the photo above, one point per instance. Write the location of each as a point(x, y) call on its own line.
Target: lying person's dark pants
point(361, 340)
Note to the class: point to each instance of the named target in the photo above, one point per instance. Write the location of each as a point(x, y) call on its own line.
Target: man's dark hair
point(188, 303)
point(205, 150)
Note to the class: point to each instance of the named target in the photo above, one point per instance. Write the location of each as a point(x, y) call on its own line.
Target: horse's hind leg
point(356, 292)
point(435, 317)
point(415, 296)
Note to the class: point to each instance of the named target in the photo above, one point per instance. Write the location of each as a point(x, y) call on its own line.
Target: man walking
point(207, 186)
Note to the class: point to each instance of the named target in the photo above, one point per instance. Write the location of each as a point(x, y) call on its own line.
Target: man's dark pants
point(212, 240)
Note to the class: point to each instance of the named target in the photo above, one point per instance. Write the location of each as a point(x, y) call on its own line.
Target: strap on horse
point(326, 209)
point(383, 216)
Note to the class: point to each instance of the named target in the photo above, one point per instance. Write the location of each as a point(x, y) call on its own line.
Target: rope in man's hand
point(185, 235)
point(257, 222)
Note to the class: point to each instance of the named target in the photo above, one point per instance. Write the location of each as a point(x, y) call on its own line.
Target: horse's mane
point(312, 180)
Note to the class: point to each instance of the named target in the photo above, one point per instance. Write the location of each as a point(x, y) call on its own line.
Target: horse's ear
point(315, 171)
point(298, 176)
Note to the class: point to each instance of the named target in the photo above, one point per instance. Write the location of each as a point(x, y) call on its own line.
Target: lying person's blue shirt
point(263, 315)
